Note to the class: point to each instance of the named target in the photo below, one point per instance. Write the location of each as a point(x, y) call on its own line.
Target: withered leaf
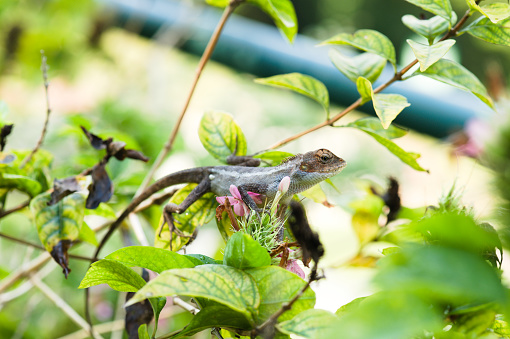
point(118, 150)
point(132, 154)
point(139, 313)
point(113, 148)
point(62, 188)
point(308, 239)
point(4, 132)
point(101, 189)
point(95, 141)
point(392, 199)
point(59, 254)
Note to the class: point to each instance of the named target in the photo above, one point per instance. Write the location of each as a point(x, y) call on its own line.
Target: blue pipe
point(259, 49)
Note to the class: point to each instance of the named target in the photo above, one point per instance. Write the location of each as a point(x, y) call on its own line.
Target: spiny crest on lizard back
point(321, 161)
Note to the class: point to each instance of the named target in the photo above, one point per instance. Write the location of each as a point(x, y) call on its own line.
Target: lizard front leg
point(203, 187)
point(248, 200)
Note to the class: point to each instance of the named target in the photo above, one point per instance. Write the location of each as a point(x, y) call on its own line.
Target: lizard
point(305, 170)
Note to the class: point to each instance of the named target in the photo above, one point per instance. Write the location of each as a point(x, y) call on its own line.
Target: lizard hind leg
point(202, 188)
point(170, 221)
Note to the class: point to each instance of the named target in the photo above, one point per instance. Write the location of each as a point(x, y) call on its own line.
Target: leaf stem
point(206, 56)
point(44, 69)
point(24, 242)
point(397, 77)
point(60, 303)
point(14, 209)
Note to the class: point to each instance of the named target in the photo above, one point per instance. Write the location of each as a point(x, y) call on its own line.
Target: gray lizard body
point(304, 170)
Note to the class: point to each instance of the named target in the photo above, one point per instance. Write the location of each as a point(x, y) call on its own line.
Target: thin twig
point(112, 326)
point(397, 77)
point(24, 287)
point(24, 242)
point(188, 307)
point(201, 65)
point(44, 69)
point(60, 303)
point(24, 271)
point(271, 321)
point(14, 209)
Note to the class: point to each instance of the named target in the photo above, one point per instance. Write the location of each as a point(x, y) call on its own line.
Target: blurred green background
point(118, 84)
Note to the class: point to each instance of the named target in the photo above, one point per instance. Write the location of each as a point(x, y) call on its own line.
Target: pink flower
point(240, 208)
point(292, 266)
point(284, 185)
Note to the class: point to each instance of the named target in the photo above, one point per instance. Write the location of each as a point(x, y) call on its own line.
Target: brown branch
point(201, 65)
point(39, 247)
point(44, 69)
point(14, 209)
point(271, 321)
point(397, 77)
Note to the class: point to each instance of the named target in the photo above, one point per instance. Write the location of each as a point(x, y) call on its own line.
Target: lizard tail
point(194, 175)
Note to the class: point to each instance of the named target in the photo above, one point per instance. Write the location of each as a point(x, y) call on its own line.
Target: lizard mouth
point(337, 167)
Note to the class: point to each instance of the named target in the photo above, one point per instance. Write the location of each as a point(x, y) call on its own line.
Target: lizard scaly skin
point(305, 170)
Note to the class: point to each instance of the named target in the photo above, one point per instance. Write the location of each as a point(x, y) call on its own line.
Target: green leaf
point(302, 84)
point(116, 275)
point(456, 75)
point(475, 324)
point(223, 284)
point(274, 157)
point(391, 250)
point(429, 28)
point(157, 306)
point(406, 157)
point(243, 252)
point(218, 3)
point(154, 259)
point(484, 29)
point(428, 55)
point(40, 160)
point(313, 323)
point(87, 234)
point(19, 182)
point(283, 14)
point(316, 194)
point(388, 107)
point(389, 315)
point(143, 332)
point(367, 65)
point(221, 136)
point(349, 307)
point(374, 125)
point(411, 213)
point(276, 287)
point(367, 40)
point(443, 8)
point(446, 275)
point(225, 226)
point(214, 316)
point(199, 213)
point(364, 89)
point(457, 231)
point(200, 259)
point(495, 11)
point(61, 221)
point(103, 210)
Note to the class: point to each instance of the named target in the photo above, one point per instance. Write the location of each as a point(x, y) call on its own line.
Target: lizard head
point(322, 161)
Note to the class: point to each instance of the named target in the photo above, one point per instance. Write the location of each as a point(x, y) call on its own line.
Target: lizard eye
point(325, 157)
